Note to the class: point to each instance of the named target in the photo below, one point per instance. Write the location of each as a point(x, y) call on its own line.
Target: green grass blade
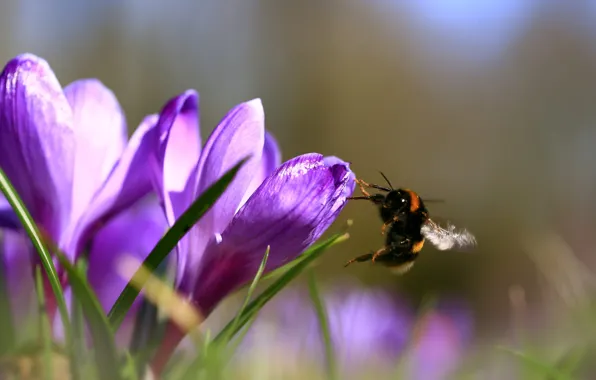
point(78, 320)
point(253, 308)
point(209, 349)
point(129, 369)
point(37, 241)
point(538, 366)
point(249, 313)
point(571, 360)
point(7, 329)
point(45, 334)
point(251, 290)
point(106, 356)
point(190, 217)
point(324, 326)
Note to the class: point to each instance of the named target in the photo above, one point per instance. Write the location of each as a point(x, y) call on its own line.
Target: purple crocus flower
point(439, 342)
point(287, 207)
point(370, 330)
point(66, 153)
point(366, 326)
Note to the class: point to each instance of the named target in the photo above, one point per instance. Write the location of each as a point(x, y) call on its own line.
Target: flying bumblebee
point(407, 223)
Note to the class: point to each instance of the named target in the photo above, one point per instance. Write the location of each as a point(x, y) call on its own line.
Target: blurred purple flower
point(369, 330)
point(364, 325)
point(67, 155)
point(439, 342)
point(287, 207)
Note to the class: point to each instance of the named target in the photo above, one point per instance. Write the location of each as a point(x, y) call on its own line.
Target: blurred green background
point(488, 105)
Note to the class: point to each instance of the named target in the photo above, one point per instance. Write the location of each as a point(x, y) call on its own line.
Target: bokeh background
point(488, 105)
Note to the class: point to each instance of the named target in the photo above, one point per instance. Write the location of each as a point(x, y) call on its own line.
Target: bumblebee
point(397, 205)
point(407, 222)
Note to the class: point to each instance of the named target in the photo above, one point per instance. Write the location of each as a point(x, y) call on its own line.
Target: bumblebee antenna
point(387, 180)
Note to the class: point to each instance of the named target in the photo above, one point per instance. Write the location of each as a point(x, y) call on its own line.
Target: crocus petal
point(440, 339)
point(15, 265)
point(133, 233)
point(100, 133)
point(240, 133)
point(289, 211)
point(37, 140)
point(270, 160)
point(358, 344)
point(128, 182)
point(355, 339)
point(8, 219)
point(180, 148)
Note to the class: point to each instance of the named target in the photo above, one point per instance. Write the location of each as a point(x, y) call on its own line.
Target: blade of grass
point(324, 326)
point(427, 304)
point(7, 329)
point(148, 329)
point(209, 348)
point(281, 270)
point(253, 308)
point(78, 320)
point(106, 358)
point(571, 360)
point(167, 243)
point(129, 368)
point(250, 311)
point(45, 334)
point(538, 365)
point(251, 289)
point(46, 260)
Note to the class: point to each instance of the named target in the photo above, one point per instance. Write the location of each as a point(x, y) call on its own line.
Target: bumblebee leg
point(384, 227)
point(380, 252)
point(367, 197)
point(359, 259)
point(364, 184)
point(387, 224)
point(361, 185)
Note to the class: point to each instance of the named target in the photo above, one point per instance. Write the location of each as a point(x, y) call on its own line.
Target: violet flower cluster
point(286, 207)
point(94, 192)
point(370, 330)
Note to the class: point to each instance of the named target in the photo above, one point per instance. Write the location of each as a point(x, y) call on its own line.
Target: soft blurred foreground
point(485, 105)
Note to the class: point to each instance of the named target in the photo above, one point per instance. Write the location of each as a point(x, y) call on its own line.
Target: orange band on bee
point(417, 247)
point(414, 200)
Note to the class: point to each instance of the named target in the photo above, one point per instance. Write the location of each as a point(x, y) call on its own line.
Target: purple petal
point(289, 211)
point(356, 339)
point(16, 263)
point(357, 342)
point(440, 340)
point(100, 133)
point(37, 140)
point(240, 133)
point(331, 161)
point(270, 160)
point(180, 147)
point(133, 233)
point(129, 181)
point(8, 219)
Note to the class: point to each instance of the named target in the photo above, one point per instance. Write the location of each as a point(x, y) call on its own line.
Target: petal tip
point(343, 175)
point(254, 108)
point(27, 62)
point(188, 100)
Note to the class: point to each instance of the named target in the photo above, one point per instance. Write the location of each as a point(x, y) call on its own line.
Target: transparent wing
point(448, 238)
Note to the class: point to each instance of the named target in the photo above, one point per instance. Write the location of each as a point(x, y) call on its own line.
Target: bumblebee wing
point(448, 238)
